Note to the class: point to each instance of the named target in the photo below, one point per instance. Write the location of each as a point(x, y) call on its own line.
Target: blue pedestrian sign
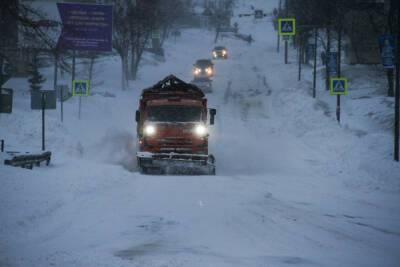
point(287, 27)
point(80, 87)
point(338, 86)
point(387, 49)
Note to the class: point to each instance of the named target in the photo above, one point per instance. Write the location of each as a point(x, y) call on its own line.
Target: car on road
point(203, 68)
point(220, 52)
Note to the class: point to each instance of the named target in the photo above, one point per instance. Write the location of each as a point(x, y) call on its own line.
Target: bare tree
point(121, 37)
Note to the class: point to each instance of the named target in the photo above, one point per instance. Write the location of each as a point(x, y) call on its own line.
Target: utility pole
point(397, 97)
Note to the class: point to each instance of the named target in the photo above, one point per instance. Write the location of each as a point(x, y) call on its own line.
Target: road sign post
point(339, 73)
point(42, 100)
point(80, 88)
point(286, 49)
point(43, 120)
point(338, 87)
point(286, 28)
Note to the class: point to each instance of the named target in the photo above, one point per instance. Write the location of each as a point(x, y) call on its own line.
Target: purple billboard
point(85, 27)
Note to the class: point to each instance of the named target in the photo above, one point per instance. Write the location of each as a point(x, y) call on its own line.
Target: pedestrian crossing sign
point(80, 87)
point(287, 27)
point(338, 86)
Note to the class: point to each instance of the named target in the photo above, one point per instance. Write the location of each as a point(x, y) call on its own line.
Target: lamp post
point(397, 94)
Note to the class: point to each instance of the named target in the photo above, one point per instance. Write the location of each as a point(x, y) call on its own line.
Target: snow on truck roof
point(172, 85)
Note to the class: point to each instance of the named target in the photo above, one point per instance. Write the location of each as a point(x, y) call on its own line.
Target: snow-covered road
point(292, 187)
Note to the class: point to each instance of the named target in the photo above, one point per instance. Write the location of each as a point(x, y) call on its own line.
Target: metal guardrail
point(25, 160)
point(28, 161)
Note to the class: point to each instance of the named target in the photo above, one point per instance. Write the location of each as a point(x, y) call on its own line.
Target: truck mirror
point(213, 112)
point(137, 116)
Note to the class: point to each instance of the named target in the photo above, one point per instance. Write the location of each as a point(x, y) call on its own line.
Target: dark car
point(203, 68)
point(220, 52)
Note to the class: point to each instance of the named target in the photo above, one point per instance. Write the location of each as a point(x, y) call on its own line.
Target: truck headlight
point(224, 52)
point(197, 71)
point(149, 130)
point(215, 54)
point(200, 130)
point(209, 71)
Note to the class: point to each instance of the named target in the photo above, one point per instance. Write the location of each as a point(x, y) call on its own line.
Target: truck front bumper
point(176, 163)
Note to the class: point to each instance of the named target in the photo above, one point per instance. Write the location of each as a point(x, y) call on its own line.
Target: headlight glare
point(149, 130)
point(200, 130)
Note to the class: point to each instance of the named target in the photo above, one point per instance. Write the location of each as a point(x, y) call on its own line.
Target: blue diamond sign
point(287, 27)
point(338, 86)
point(80, 88)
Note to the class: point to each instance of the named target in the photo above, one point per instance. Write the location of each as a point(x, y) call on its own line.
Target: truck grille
point(175, 142)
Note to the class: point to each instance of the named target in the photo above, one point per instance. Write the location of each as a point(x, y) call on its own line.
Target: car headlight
point(200, 130)
point(197, 71)
point(215, 54)
point(208, 70)
point(149, 130)
point(223, 52)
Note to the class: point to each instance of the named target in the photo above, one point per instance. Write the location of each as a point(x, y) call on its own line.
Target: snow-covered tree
point(36, 78)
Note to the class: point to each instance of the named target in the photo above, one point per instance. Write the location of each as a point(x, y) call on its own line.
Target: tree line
point(360, 22)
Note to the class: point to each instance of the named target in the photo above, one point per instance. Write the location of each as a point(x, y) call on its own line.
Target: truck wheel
point(213, 171)
point(144, 170)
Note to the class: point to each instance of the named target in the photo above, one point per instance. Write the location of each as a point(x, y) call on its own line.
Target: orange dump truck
point(172, 129)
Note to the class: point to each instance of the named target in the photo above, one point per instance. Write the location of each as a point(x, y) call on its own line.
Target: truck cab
point(172, 129)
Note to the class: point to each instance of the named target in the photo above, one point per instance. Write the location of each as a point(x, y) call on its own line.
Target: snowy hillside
point(293, 187)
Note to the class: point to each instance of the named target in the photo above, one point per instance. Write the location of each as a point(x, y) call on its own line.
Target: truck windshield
point(174, 114)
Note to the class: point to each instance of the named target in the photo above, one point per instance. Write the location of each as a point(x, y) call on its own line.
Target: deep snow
point(293, 187)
